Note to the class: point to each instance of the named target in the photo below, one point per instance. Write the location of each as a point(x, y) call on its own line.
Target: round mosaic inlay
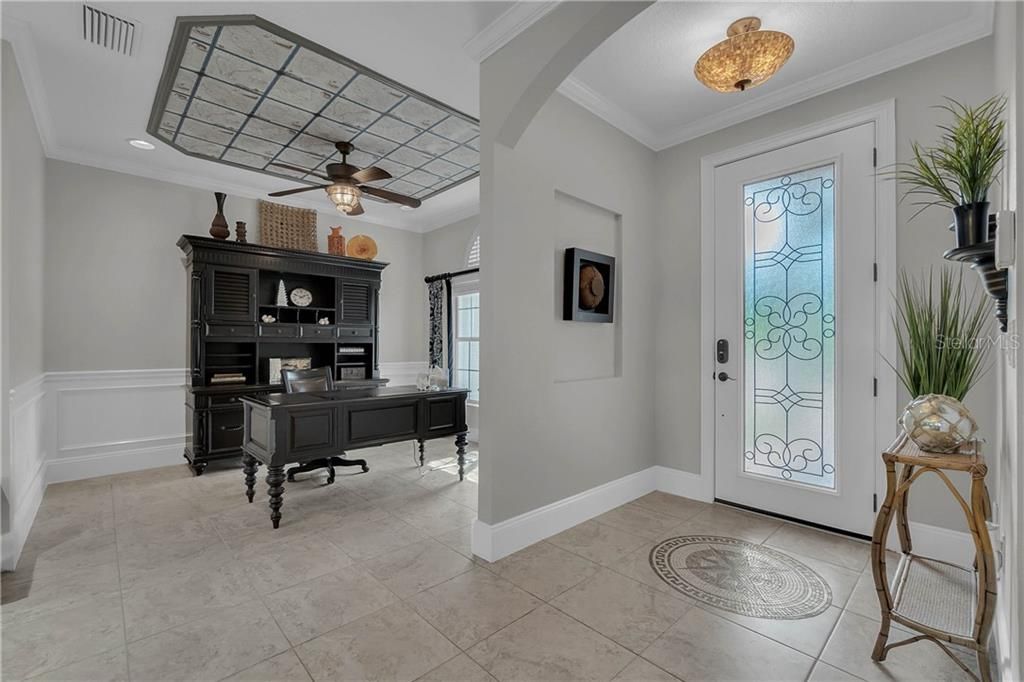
point(737, 576)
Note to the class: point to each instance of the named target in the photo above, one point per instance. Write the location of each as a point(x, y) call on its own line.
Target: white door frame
point(883, 115)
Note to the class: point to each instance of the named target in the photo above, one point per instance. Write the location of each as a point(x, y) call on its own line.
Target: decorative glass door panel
point(789, 325)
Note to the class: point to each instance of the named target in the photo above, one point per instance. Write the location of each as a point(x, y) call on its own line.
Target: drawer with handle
point(283, 331)
point(226, 428)
point(317, 331)
point(231, 330)
point(355, 332)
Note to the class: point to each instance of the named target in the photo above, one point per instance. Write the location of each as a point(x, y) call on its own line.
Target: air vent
point(108, 30)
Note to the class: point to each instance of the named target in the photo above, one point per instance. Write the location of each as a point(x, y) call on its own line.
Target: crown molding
point(19, 34)
point(581, 94)
point(513, 21)
point(979, 24)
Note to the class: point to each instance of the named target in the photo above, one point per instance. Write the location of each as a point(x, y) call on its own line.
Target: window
point(473, 252)
point(467, 342)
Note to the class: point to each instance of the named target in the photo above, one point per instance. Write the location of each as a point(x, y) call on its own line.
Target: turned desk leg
point(275, 488)
point(460, 450)
point(423, 448)
point(250, 466)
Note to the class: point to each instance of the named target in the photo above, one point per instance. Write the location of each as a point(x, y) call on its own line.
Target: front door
point(795, 329)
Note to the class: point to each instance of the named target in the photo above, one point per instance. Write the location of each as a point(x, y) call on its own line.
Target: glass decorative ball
point(938, 423)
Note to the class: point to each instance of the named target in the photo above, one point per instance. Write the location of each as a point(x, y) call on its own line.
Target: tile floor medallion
point(737, 576)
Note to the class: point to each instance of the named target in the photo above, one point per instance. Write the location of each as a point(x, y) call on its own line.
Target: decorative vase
point(240, 231)
point(938, 423)
point(970, 224)
point(219, 226)
point(336, 242)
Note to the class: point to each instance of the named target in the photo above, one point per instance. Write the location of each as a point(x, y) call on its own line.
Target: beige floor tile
point(719, 519)
point(637, 565)
point(622, 609)
point(462, 668)
point(548, 645)
point(849, 649)
point(642, 670)
point(682, 508)
point(864, 599)
point(806, 635)
point(823, 672)
point(702, 646)
point(309, 609)
point(639, 520)
point(90, 504)
point(544, 569)
point(293, 561)
point(461, 540)
point(223, 643)
point(599, 543)
point(436, 515)
point(142, 550)
point(39, 600)
point(465, 493)
point(67, 556)
point(840, 580)
point(837, 549)
point(372, 533)
point(284, 667)
point(472, 606)
point(185, 591)
point(392, 644)
point(417, 567)
point(110, 666)
point(59, 638)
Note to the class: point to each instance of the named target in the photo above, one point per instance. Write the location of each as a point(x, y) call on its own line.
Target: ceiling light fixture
point(344, 196)
point(745, 59)
point(142, 144)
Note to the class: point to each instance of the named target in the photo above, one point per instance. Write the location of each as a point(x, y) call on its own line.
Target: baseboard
point(20, 522)
point(492, 542)
point(682, 483)
point(935, 542)
point(127, 457)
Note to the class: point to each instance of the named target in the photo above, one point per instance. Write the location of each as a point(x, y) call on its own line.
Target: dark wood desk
point(286, 428)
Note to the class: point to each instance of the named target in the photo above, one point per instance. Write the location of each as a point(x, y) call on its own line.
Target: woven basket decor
point(287, 227)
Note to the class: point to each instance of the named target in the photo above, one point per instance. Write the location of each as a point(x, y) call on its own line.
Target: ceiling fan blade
point(358, 210)
point(392, 196)
point(370, 174)
point(286, 192)
point(305, 171)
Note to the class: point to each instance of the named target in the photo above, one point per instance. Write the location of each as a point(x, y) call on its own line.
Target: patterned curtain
point(435, 295)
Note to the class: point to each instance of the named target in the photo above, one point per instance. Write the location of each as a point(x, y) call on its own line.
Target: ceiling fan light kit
point(345, 196)
point(745, 59)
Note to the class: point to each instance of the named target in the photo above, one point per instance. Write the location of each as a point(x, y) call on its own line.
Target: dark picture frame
point(577, 261)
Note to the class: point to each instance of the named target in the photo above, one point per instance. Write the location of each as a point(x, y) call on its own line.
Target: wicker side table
point(943, 602)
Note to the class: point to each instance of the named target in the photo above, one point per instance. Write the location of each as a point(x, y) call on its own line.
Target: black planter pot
point(970, 224)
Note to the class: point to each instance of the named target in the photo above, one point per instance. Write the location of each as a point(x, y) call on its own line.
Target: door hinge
point(874, 387)
point(874, 157)
point(874, 502)
point(874, 272)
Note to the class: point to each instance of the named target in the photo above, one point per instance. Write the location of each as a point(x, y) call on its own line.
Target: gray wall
point(23, 231)
point(444, 249)
point(964, 73)
point(115, 285)
point(544, 440)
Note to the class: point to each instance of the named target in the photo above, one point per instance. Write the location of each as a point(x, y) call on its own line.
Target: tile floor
point(158, 575)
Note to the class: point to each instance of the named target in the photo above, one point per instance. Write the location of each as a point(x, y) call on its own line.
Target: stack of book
point(228, 378)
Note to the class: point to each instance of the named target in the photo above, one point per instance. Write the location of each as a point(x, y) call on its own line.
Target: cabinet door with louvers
point(357, 301)
point(232, 293)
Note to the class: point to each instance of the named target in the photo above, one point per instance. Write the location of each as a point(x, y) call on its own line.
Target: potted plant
point(942, 355)
point(959, 170)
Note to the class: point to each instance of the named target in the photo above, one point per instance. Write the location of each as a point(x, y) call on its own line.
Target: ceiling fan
point(346, 183)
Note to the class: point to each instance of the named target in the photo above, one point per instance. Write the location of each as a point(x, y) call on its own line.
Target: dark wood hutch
point(231, 286)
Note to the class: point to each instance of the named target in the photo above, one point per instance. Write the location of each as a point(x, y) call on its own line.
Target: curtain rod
point(450, 275)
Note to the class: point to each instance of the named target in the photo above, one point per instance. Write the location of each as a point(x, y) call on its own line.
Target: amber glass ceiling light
point(344, 196)
point(748, 57)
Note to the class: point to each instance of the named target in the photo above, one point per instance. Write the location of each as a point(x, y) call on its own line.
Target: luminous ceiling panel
point(244, 92)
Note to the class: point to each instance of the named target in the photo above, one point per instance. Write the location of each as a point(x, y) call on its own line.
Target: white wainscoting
point(24, 475)
point(109, 422)
point(495, 541)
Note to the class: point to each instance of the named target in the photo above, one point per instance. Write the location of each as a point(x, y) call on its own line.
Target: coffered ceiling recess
point(244, 92)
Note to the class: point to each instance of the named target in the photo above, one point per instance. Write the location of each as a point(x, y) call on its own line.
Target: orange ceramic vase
point(336, 242)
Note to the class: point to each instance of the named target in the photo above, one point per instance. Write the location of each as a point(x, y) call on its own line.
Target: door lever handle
point(724, 376)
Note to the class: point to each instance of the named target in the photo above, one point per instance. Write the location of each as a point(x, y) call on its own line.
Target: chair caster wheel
point(366, 469)
point(330, 480)
point(291, 478)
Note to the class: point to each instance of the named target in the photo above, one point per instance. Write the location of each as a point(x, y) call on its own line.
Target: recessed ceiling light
point(142, 144)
